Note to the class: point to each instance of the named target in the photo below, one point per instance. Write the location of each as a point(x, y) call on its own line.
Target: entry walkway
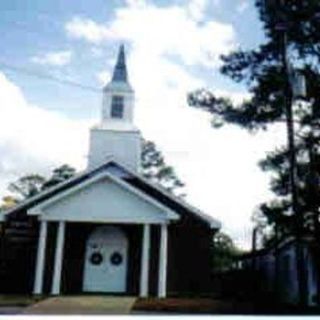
point(82, 305)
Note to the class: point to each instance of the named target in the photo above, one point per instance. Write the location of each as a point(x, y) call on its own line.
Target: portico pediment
point(103, 198)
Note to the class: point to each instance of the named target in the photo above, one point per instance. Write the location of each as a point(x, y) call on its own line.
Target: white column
point(162, 283)
point(58, 259)
point(41, 256)
point(145, 259)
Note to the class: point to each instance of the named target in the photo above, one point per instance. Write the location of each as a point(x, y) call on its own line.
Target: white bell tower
point(116, 134)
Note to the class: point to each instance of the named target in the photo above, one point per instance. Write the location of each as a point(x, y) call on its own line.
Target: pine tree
point(263, 73)
point(59, 174)
point(270, 72)
point(156, 169)
point(27, 186)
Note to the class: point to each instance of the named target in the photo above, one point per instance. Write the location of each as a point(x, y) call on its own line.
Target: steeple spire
point(116, 135)
point(120, 70)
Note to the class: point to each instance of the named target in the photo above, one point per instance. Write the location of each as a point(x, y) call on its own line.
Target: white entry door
point(105, 268)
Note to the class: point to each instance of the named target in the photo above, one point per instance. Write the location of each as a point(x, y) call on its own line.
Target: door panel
point(106, 261)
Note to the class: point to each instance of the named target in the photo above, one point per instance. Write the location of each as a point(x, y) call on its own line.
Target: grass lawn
point(192, 305)
point(219, 306)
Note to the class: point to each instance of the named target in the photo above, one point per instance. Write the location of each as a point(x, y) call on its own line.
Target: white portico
point(108, 201)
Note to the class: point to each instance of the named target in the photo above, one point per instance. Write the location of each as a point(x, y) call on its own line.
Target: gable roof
point(36, 210)
point(119, 170)
point(170, 199)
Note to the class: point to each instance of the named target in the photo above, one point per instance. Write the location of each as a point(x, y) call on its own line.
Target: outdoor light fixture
point(298, 84)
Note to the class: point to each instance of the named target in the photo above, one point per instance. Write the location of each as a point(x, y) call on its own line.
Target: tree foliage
point(27, 186)
point(8, 202)
point(31, 184)
point(262, 71)
point(157, 170)
point(224, 252)
point(59, 174)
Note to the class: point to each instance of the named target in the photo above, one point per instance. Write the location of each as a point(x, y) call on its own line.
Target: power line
point(48, 77)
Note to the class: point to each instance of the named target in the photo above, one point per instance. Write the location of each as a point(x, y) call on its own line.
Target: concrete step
point(84, 304)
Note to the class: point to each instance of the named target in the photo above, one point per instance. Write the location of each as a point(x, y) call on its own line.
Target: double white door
point(106, 258)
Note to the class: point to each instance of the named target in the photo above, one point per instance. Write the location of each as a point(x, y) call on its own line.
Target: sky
point(173, 47)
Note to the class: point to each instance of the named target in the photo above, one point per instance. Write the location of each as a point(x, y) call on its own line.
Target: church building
point(107, 229)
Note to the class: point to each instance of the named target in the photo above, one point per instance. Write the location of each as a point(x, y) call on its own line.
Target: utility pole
point(282, 27)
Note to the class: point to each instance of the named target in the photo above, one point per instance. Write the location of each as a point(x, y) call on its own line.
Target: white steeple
point(118, 95)
point(116, 134)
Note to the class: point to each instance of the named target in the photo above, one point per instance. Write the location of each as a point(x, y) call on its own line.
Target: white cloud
point(236, 97)
point(216, 3)
point(242, 6)
point(33, 140)
point(180, 35)
point(136, 3)
point(197, 9)
point(219, 167)
point(239, 5)
point(103, 77)
point(87, 29)
point(59, 58)
point(96, 52)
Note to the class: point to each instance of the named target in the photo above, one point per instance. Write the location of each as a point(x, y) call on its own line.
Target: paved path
point(82, 305)
point(10, 310)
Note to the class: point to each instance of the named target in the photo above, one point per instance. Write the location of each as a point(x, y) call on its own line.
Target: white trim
point(163, 262)
point(145, 261)
point(159, 219)
point(38, 210)
point(104, 127)
point(39, 272)
point(58, 259)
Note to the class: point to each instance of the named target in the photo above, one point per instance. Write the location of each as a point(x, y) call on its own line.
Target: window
point(117, 107)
